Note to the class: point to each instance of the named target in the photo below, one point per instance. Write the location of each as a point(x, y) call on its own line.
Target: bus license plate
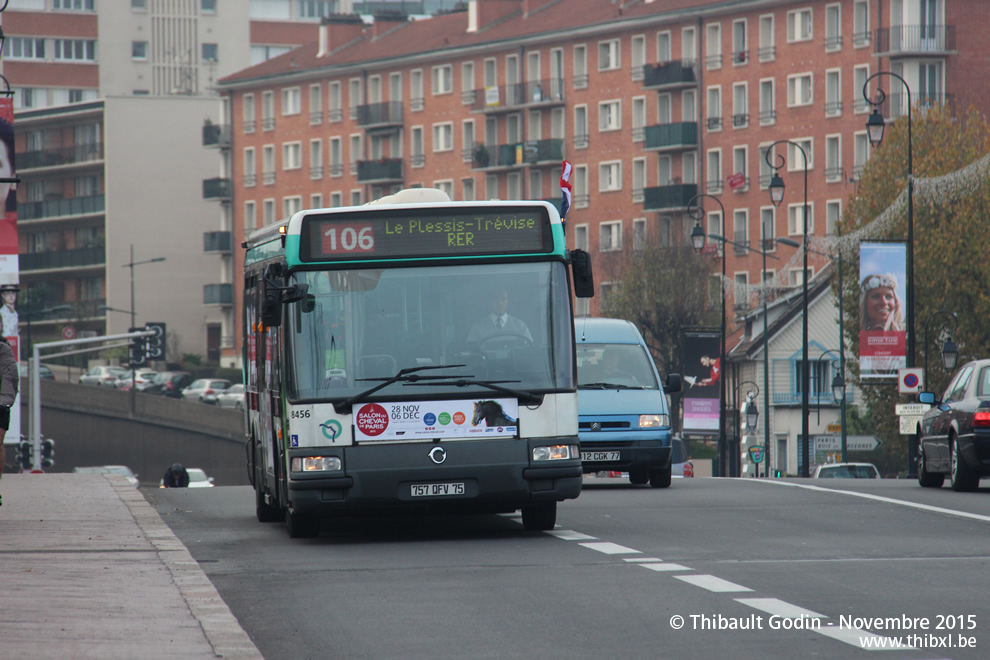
point(599, 456)
point(437, 490)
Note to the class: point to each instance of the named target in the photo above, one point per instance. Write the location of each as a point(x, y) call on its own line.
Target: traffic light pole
point(34, 382)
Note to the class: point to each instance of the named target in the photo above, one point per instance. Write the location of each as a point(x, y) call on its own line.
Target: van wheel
point(301, 525)
point(539, 516)
point(639, 477)
point(660, 478)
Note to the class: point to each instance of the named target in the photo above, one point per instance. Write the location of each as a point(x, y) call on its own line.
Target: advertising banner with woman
point(882, 334)
point(9, 272)
point(703, 369)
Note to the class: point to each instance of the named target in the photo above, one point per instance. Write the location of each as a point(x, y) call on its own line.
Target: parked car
point(43, 371)
point(623, 420)
point(102, 376)
point(955, 432)
point(141, 377)
point(169, 383)
point(232, 397)
point(205, 390)
point(109, 469)
point(680, 466)
point(846, 471)
point(197, 479)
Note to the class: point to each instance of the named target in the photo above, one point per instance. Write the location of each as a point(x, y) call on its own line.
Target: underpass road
point(755, 569)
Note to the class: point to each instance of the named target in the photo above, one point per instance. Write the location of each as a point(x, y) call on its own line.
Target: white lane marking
point(777, 607)
point(570, 535)
point(879, 498)
point(611, 548)
point(854, 637)
point(663, 567)
point(638, 559)
point(712, 583)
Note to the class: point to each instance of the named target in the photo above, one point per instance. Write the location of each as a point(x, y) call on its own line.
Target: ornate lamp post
point(776, 197)
point(950, 353)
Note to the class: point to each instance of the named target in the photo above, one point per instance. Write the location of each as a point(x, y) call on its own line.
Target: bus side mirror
point(271, 303)
point(308, 303)
point(584, 280)
point(673, 383)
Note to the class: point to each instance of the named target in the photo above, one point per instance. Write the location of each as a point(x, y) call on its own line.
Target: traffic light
point(47, 453)
point(155, 346)
point(137, 351)
point(25, 454)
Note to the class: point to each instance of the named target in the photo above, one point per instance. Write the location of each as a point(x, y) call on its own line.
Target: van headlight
point(315, 464)
point(653, 421)
point(556, 452)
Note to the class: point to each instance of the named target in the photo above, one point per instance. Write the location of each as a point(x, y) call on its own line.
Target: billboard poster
point(9, 271)
point(703, 370)
point(416, 420)
point(882, 312)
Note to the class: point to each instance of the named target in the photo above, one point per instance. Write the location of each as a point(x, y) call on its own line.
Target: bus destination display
point(434, 233)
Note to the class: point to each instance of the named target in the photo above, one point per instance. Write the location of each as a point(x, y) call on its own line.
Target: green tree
point(951, 272)
point(662, 291)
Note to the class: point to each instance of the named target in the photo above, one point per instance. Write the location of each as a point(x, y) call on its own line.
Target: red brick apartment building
point(653, 102)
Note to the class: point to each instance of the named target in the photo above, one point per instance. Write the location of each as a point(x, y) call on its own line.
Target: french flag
point(565, 188)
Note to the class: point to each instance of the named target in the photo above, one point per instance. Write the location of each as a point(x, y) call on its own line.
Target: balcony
point(217, 189)
point(672, 74)
point(548, 92)
point(671, 137)
point(215, 135)
point(896, 105)
point(59, 208)
point(380, 115)
point(383, 170)
point(520, 154)
point(544, 151)
point(665, 198)
point(218, 294)
point(499, 98)
point(912, 40)
point(61, 259)
point(81, 153)
point(217, 241)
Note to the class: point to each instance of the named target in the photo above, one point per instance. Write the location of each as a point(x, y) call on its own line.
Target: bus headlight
point(653, 421)
point(315, 464)
point(556, 452)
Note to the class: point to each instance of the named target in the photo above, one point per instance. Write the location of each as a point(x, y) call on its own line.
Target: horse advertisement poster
point(414, 420)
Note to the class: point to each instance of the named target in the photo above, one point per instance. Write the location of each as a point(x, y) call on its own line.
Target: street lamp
point(950, 353)
point(838, 385)
point(776, 197)
point(874, 127)
point(750, 412)
point(131, 265)
point(698, 213)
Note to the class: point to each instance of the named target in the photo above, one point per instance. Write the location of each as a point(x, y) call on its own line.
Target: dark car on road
point(169, 383)
point(955, 432)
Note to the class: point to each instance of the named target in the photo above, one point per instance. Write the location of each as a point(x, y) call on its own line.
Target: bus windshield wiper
point(525, 397)
point(407, 375)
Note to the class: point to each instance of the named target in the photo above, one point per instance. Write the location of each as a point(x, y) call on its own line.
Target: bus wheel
point(539, 516)
point(300, 525)
point(266, 513)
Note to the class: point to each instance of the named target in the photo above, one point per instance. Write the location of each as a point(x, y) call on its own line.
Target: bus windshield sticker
point(425, 233)
point(419, 420)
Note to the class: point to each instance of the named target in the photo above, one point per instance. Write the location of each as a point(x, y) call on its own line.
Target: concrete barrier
point(96, 426)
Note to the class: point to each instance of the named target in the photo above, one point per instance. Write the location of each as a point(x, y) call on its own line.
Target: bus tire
point(301, 525)
point(539, 516)
point(266, 513)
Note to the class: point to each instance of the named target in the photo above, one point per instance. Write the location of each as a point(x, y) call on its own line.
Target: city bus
point(412, 354)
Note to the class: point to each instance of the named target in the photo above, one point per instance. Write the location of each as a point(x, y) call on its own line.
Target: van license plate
point(599, 456)
point(437, 490)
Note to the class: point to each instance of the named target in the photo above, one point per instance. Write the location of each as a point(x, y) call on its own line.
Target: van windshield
point(615, 365)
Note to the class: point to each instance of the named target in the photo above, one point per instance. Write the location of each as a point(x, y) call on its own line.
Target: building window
point(443, 137)
point(467, 83)
point(580, 67)
point(467, 185)
point(23, 48)
point(250, 216)
point(610, 176)
point(714, 109)
point(801, 149)
point(316, 159)
point(833, 93)
point(610, 236)
point(861, 153)
point(713, 46)
point(833, 28)
point(610, 115)
point(608, 55)
point(316, 8)
point(416, 102)
point(336, 157)
point(795, 219)
point(248, 115)
point(269, 211)
point(291, 101)
point(316, 201)
point(250, 168)
point(740, 105)
point(336, 200)
point(268, 111)
point(208, 6)
point(799, 90)
point(740, 44)
point(639, 233)
point(768, 231)
point(860, 74)
point(139, 50)
point(799, 25)
point(833, 158)
point(416, 148)
point(335, 108)
point(268, 164)
point(768, 47)
point(833, 211)
point(291, 205)
point(291, 155)
point(74, 5)
point(581, 127)
point(75, 50)
point(446, 187)
point(581, 188)
point(861, 24)
point(209, 52)
point(443, 79)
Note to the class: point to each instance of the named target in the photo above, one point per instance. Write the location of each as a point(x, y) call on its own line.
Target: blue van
point(623, 418)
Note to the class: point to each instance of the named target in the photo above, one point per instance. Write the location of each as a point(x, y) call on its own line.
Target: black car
point(955, 433)
point(169, 383)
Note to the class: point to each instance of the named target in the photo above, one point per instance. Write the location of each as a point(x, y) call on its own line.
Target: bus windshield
point(503, 323)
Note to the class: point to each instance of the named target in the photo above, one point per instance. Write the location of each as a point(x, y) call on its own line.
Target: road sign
point(834, 428)
point(69, 332)
point(911, 408)
point(910, 381)
point(909, 423)
point(853, 442)
point(756, 454)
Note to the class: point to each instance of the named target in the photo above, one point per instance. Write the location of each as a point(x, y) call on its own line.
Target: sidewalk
point(88, 569)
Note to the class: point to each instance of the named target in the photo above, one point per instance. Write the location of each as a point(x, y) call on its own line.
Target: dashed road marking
point(777, 607)
point(570, 535)
point(712, 583)
point(666, 567)
point(610, 548)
